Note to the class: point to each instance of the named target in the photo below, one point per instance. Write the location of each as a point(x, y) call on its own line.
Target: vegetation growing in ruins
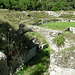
point(59, 40)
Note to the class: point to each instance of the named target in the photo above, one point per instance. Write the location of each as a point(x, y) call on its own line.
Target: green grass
point(58, 25)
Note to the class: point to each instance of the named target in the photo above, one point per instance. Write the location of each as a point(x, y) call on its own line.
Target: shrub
point(59, 40)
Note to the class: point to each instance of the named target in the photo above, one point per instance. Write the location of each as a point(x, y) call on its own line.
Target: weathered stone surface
point(72, 28)
point(62, 65)
point(44, 31)
point(61, 71)
point(3, 64)
point(74, 31)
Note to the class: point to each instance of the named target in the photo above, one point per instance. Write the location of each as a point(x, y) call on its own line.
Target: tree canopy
point(38, 4)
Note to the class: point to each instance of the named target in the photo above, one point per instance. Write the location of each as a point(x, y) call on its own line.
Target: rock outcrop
point(3, 64)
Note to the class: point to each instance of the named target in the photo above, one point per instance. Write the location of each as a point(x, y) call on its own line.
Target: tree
point(55, 6)
point(74, 4)
point(62, 5)
point(38, 4)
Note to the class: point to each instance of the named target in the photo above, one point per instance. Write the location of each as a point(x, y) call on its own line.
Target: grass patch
point(58, 25)
point(59, 40)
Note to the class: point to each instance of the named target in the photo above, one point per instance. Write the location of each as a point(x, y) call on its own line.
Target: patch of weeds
point(59, 40)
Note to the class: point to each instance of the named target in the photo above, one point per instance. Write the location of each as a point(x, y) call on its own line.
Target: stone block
point(74, 31)
point(72, 28)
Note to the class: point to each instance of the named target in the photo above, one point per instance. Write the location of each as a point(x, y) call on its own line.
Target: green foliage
point(20, 69)
point(59, 40)
point(38, 4)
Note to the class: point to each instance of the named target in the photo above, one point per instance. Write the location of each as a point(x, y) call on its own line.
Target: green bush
point(59, 40)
